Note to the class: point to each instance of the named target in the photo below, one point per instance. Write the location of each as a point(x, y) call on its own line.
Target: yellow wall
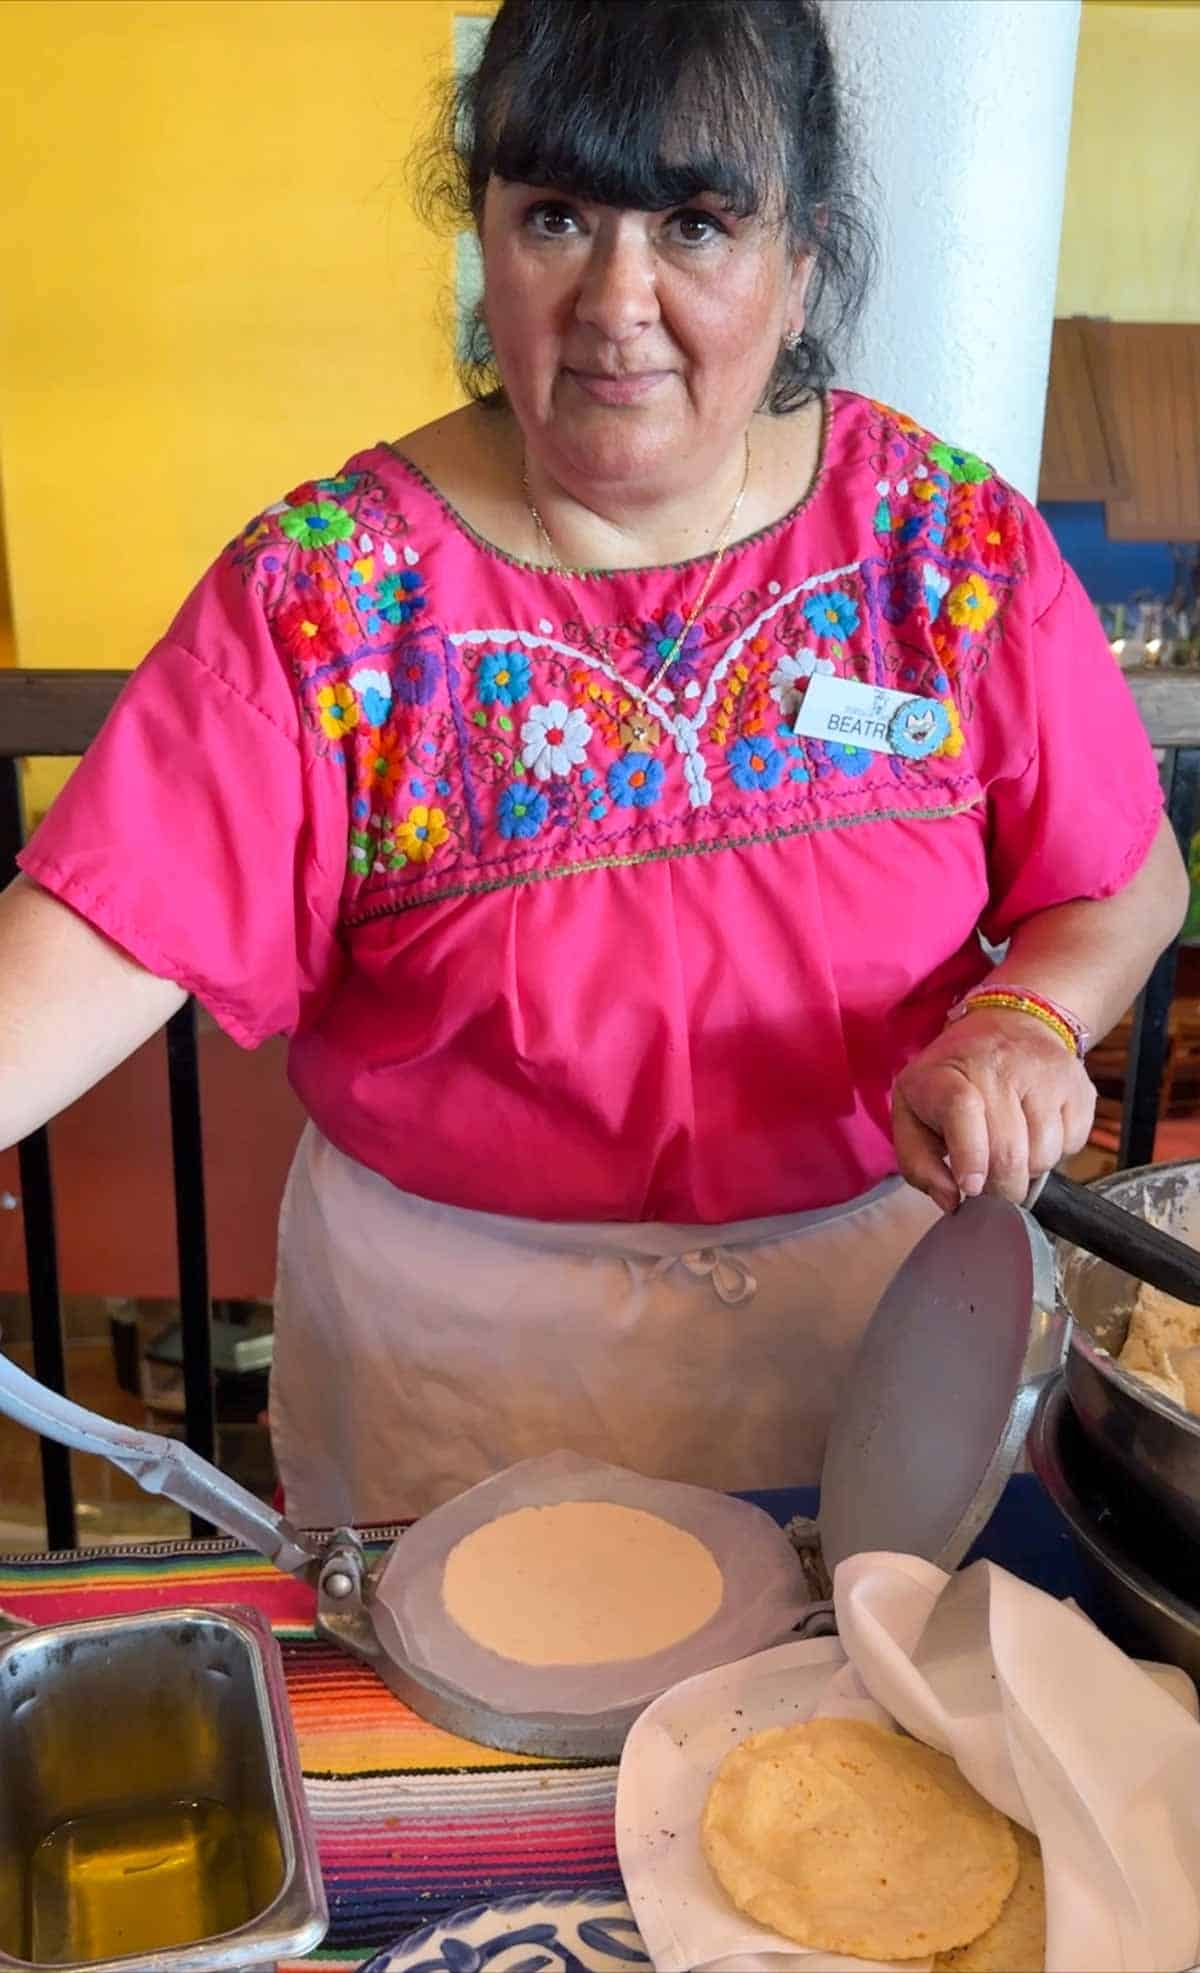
point(211, 284)
point(1131, 225)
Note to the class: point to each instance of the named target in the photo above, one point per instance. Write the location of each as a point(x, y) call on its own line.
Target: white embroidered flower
point(555, 739)
point(791, 674)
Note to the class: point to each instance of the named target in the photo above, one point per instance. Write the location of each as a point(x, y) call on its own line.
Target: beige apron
point(419, 1348)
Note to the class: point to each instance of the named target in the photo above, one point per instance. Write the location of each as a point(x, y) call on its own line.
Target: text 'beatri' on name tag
point(871, 716)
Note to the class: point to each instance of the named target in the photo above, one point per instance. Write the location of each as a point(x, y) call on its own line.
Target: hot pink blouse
point(548, 944)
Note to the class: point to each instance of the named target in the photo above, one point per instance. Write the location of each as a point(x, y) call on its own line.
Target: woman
point(625, 983)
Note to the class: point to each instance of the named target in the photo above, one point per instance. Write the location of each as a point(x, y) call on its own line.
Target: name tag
point(872, 716)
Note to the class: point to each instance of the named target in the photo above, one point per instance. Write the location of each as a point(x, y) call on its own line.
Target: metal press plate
point(942, 1390)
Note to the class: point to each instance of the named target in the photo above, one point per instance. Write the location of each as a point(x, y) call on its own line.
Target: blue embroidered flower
point(415, 670)
point(658, 641)
point(755, 763)
point(400, 597)
point(523, 810)
point(374, 689)
point(504, 678)
point(635, 780)
point(851, 760)
point(832, 615)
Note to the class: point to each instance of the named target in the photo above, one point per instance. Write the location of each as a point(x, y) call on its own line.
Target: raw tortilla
point(1159, 1343)
point(850, 1839)
point(582, 1583)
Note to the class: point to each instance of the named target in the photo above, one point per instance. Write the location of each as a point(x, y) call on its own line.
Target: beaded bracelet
point(1023, 1000)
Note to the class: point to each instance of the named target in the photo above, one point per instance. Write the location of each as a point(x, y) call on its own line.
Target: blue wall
point(1110, 571)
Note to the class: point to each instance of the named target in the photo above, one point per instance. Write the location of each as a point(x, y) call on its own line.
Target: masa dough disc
point(1016, 1943)
point(850, 1839)
point(582, 1583)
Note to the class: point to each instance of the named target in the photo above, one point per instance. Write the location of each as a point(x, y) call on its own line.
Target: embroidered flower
point(400, 597)
point(415, 671)
point(381, 763)
point(755, 763)
point(635, 781)
point(523, 810)
point(851, 760)
point(791, 675)
point(971, 604)
point(959, 464)
point(306, 631)
point(555, 739)
point(998, 535)
point(659, 639)
point(935, 583)
point(374, 689)
point(503, 678)
point(316, 523)
point(952, 745)
point(338, 709)
point(832, 615)
point(901, 592)
point(422, 832)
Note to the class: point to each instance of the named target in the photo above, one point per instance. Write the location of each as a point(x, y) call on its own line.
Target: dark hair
point(646, 103)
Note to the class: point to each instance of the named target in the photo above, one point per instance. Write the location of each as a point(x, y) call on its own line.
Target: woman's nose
point(618, 296)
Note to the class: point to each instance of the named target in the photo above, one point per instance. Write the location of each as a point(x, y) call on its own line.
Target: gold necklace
point(719, 554)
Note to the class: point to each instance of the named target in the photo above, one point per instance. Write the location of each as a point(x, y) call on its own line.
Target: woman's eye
point(696, 229)
point(550, 220)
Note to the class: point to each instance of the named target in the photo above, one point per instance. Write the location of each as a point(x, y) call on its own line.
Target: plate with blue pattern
point(555, 1932)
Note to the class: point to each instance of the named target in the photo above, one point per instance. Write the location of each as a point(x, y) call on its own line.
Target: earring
point(793, 340)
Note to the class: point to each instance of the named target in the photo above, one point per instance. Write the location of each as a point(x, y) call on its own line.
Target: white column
point(961, 109)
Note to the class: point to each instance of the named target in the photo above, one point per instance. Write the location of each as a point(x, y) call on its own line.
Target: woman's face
point(634, 347)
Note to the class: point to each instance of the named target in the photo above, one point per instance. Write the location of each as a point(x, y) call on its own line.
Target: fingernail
point(971, 1184)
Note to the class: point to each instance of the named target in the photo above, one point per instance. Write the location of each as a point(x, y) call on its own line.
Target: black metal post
point(41, 1244)
point(183, 1072)
point(1149, 1039)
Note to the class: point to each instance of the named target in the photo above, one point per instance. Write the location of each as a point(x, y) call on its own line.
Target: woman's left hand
point(989, 1106)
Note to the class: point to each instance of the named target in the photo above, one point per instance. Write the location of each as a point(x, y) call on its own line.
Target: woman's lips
point(628, 389)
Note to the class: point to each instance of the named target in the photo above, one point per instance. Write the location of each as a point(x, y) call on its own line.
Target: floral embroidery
point(833, 615)
point(416, 670)
point(504, 678)
point(422, 833)
point(339, 710)
point(523, 811)
point(316, 523)
point(374, 689)
point(755, 764)
point(791, 676)
point(901, 594)
point(305, 627)
point(381, 763)
point(851, 760)
point(971, 604)
point(952, 745)
point(555, 739)
point(958, 464)
point(935, 582)
point(658, 642)
point(636, 780)
point(400, 597)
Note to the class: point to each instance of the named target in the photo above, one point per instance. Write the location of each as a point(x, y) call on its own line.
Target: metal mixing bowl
point(1149, 1604)
point(1150, 1440)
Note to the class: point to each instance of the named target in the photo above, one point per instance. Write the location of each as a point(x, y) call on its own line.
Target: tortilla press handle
point(1076, 1213)
point(160, 1465)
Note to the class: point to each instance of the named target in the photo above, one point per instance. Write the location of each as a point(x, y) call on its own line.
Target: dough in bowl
point(586, 1582)
point(850, 1839)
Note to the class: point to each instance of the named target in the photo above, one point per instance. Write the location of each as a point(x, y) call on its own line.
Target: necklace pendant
point(639, 734)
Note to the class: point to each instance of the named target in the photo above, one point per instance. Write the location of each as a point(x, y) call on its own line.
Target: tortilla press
point(937, 1406)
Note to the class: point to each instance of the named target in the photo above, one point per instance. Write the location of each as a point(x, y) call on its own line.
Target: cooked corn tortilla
point(584, 1583)
point(850, 1839)
point(1016, 1943)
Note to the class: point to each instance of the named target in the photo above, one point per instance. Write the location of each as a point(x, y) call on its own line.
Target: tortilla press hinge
point(818, 1619)
point(342, 1594)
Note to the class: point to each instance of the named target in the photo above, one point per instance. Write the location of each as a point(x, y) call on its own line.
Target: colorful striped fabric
point(411, 1822)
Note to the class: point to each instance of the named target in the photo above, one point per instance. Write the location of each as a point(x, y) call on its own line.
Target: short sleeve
point(1074, 798)
point(197, 833)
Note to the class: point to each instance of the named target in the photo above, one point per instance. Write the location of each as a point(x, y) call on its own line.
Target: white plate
point(558, 1932)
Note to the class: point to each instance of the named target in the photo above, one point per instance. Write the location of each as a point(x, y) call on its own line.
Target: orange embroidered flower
point(381, 763)
point(971, 604)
